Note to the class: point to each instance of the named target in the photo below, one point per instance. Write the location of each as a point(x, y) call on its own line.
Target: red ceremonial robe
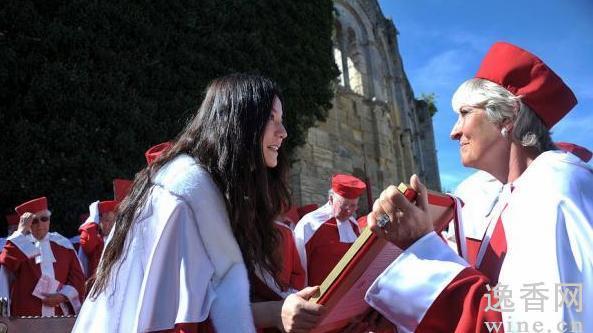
point(27, 272)
point(324, 250)
point(91, 243)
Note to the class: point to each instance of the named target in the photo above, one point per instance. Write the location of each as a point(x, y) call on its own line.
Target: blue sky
point(442, 43)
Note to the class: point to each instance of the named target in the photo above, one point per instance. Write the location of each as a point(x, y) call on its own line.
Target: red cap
point(32, 206)
point(524, 74)
point(155, 151)
point(292, 214)
point(121, 187)
point(304, 210)
point(348, 186)
point(580, 151)
point(107, 206)
point(12, 219)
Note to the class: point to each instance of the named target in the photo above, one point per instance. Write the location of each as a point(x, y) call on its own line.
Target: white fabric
point(61, 240)
point(72, 294)
point(345, 230)
point(25, 244)
point(269, 281)
point(548, 229)
point(182, 262)
point(94, 215)
point(479, 193)
point(421, 272)
point(550, 216)
point(46, 261)
point(308, 225)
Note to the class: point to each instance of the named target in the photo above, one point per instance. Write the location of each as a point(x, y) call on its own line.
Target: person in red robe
point(537, 235)
point(48, 279)
point(325, 234)
point(93, 233)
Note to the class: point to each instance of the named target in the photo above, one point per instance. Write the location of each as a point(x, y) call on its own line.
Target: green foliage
point(88, 86)
point(430, 100)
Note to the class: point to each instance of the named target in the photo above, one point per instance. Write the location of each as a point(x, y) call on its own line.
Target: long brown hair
point(224, 137)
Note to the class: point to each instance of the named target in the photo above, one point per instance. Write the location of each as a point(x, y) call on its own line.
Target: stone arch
point(355, 63)
point(339, 54)
point(355, 32)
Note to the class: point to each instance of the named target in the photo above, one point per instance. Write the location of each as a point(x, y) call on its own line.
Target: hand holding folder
point(343, 290)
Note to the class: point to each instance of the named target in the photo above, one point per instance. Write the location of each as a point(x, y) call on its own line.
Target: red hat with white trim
point(155, 151)
point(580, 151)
point(347, 186)
point(525, 75)
point(32, 206)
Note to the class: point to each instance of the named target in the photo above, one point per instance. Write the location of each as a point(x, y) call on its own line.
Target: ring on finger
point(383, 221)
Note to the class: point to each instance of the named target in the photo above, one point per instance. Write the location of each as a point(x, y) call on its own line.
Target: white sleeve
point(408, 287)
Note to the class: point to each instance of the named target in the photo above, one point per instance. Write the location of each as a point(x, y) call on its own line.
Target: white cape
point(182, 263)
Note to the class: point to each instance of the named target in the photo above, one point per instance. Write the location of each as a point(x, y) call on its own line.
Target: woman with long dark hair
point(198, 220)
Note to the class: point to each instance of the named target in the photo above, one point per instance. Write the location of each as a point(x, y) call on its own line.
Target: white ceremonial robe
point(547, 220)
point(182, 264)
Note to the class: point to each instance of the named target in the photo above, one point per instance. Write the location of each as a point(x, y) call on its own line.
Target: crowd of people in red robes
point(205, 238)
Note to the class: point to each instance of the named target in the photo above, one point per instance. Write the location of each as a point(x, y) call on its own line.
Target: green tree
point(88, 86)
point(430, 101)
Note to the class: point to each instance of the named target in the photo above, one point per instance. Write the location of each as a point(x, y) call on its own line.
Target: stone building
point(376, 129)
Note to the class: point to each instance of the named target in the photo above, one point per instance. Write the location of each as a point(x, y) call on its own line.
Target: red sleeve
point(297, 277)
point(74, 287)
point(11, 257)
point(90, 238)
point(461, 307)
point(76, 276)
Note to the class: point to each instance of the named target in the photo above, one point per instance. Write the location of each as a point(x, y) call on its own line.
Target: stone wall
point(375, 130)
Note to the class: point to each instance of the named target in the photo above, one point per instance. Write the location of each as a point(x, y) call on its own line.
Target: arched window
point(339, 56)
point(355, 63)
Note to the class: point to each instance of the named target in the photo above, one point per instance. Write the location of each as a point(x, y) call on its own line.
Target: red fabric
point(324, 250)
point(32, 206)
point(155, 151)
point(203, 327)
point(292, 215)
point(461, 306)
point(121, 187)
point(473, 247)
point(495, 253)
point(580, 151)
point(347, 186)
point(12, 219)
point(292, 274)
point(524, 74)
point(107, 206)
point(362, 222)
point(67, 270)
point(91, 242)
point(303, 210)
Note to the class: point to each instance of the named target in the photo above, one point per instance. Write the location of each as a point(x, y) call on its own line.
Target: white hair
point(500, 105)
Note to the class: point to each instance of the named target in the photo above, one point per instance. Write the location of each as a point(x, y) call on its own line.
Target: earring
point(504, 132)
